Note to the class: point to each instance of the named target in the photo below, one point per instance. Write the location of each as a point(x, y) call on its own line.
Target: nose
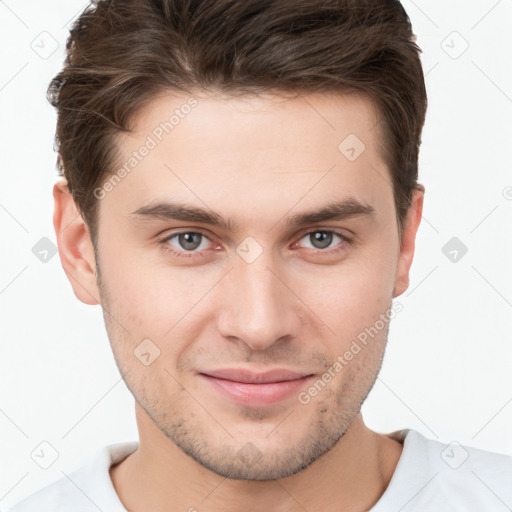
point(258, 307)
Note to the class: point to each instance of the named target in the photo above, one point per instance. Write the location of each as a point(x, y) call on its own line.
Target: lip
point(250, 377)
point(256, 389)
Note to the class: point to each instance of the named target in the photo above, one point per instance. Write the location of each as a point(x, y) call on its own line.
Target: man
point(240, 195)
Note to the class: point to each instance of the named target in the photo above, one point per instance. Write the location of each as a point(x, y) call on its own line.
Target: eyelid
point(327, 229)
point(345, 239)
point(199, 231)
point(182, 253)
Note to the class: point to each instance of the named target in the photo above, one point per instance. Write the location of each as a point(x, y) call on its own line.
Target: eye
point(323, 239)
point(186, 242)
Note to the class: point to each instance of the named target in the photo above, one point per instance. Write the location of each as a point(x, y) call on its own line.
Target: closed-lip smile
point(257, 389)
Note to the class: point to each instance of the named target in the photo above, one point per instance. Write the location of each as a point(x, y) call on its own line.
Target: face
point(241, 260)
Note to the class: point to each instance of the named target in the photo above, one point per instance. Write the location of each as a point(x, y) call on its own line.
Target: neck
point(351, 477)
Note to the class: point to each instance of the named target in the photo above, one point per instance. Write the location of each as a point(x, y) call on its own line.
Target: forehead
point(252, 150)
point(253, 121)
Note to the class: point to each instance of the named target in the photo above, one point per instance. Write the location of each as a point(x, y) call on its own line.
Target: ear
point(75, 246)
point(411, 224)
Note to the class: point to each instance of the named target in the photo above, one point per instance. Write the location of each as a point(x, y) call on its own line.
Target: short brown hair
point(122, 53)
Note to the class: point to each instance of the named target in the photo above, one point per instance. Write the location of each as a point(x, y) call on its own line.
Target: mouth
point(256, 389)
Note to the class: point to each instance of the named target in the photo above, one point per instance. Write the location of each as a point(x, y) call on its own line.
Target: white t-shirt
point(430, 477)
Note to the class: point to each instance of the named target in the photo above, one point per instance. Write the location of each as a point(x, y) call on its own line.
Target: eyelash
point(191, 254)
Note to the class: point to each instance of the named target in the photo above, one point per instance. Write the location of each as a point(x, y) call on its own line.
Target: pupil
point(321, 239)
point(190, 240)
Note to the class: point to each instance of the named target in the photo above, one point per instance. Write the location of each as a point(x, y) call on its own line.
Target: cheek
point(150, 297)
point(139, 288)
point(349, 297)
point(151, 300)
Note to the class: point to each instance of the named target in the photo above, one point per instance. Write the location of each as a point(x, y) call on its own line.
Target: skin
point(256, 161)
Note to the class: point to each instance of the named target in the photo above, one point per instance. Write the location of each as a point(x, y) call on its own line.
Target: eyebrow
point(345, 209)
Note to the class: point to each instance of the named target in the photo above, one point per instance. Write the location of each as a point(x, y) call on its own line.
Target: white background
point(447, 370)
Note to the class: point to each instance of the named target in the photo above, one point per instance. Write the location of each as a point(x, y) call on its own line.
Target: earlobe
point(411, 225)
point(75, 246)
